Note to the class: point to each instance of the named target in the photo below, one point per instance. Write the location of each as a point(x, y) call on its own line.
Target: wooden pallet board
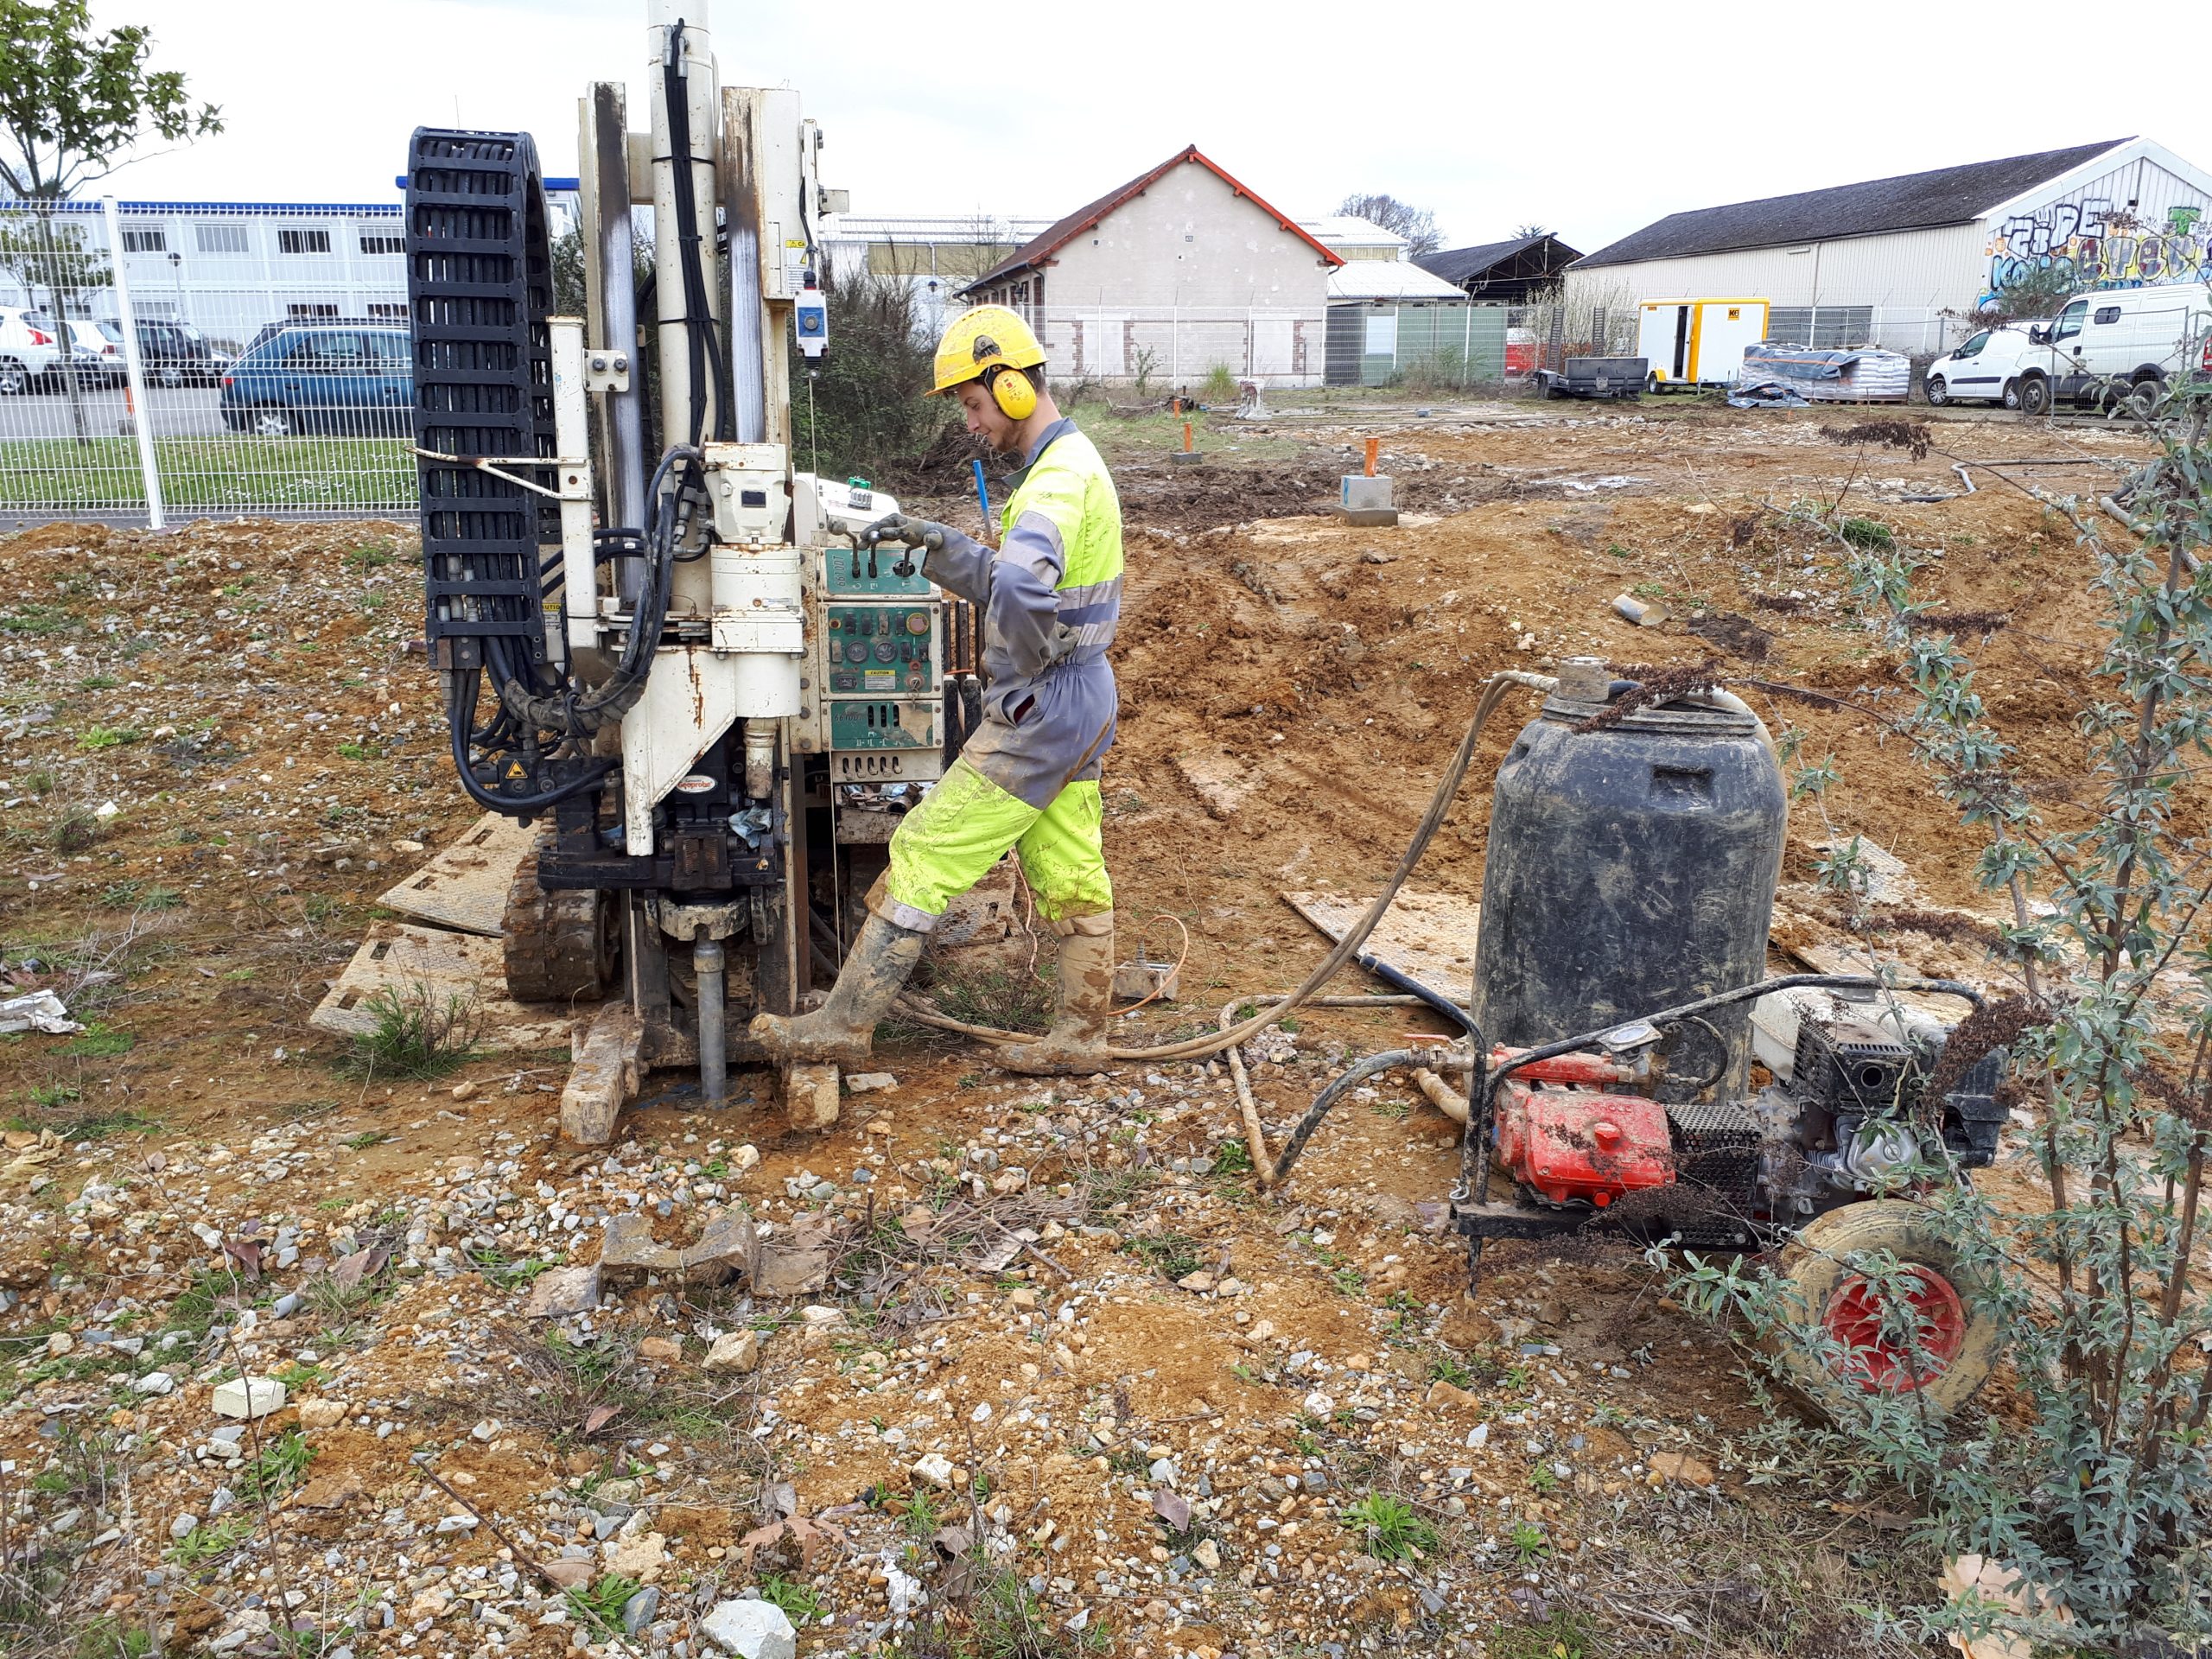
point(1429, 936)
point(402, 957)
point(466, 886)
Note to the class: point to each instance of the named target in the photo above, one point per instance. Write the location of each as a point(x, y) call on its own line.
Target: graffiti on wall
point(2091, 246)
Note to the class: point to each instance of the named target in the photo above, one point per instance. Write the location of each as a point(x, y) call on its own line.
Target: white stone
point(249, 1396)
point(738, 1352)
point(935, 1468)
point(153, 1382)
point(869, 1082)
point(1207, 1554)
point(632, 1557)
point(746, 1157)
point(183, 1526)
point(905, 1590)
point(752, 1630)
point(1318, 1404)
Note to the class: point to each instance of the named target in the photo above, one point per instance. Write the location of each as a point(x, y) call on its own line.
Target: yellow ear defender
point(1013, 392)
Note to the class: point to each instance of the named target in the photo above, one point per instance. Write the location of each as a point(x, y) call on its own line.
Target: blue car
point(354, 382)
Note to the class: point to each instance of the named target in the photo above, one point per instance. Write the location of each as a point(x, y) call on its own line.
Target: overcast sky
point(1591, 119)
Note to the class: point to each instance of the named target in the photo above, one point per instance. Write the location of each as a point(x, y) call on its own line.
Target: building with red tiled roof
point(1183, 269)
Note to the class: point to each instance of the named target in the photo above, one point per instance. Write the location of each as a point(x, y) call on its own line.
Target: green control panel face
point(869, 575)
point(881, 650)
point(874, 724)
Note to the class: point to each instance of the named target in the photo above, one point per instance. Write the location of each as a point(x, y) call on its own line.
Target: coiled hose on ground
point(1347, 949)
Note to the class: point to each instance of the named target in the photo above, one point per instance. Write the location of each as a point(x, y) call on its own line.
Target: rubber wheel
point(2143, 397)
point(170, 376)
point(2011, 397)
point(1938, 394)
point(272, 421)
point(560, 947)
point(2034, 396)
point(1959, 1338)
point(14, 381)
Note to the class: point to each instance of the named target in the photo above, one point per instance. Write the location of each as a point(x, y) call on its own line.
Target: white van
point(1985, 367)
point(2121, 337)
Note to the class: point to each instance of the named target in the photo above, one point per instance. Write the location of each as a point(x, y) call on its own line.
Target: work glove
point(904, 528)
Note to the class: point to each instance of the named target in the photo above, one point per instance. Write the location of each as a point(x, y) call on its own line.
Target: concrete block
point(1366, 494)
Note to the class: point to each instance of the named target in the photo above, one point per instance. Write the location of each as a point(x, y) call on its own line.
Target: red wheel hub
point(1874, 1358)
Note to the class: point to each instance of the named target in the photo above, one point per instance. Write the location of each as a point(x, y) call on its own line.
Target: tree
point(74, 104)
point(1417, 225)
point(1530, 229)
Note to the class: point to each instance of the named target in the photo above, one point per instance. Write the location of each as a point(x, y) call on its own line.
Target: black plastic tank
point(1632, 868)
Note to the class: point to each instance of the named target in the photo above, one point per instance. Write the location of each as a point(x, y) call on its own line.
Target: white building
point(228, 267)
point(1352, 240)
point(1180, 274)
point(937, 255)
point(1883, 261)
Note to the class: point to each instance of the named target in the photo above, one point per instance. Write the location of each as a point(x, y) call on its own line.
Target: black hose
point(458, 719)
point(1373, 1065)
point(1435, 1000)
point(698, 316)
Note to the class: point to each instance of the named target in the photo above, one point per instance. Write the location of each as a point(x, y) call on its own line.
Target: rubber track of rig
point(555, 949)
point(480, 287)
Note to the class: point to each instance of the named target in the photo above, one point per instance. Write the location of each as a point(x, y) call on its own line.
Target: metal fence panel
point(273, 375)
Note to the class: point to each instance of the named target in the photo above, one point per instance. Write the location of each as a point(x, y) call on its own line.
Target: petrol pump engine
point(1586, 1138)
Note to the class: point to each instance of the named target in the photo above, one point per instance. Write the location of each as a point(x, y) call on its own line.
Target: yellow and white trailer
point(1686, 344)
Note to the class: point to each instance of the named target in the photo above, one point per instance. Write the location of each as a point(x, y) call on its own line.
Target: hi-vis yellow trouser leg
point(964, 825)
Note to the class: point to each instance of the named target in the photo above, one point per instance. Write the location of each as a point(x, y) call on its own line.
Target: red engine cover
point(1582, 1143)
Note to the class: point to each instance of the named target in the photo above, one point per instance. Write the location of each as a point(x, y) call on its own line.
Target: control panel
point(882, 650)
point(876, 668)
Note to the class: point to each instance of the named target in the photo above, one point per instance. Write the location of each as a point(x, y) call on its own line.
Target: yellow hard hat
point(981, 339)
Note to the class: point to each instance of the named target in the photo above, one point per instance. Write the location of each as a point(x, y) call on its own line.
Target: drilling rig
point(659, 644)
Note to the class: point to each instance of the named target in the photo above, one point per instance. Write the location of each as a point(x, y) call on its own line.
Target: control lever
point(933, 539)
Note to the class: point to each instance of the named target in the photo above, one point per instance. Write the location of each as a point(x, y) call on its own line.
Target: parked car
point(269, 331)
point(2118, 342)
point(99, 352)
point(314, 378)
point(175, 355)
point(31, 345)
point(1984, 368)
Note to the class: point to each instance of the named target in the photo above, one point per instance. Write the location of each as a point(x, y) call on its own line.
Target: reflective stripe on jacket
point(1051, 596)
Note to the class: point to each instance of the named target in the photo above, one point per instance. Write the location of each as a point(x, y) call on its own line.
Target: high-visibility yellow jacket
point(1051, 596)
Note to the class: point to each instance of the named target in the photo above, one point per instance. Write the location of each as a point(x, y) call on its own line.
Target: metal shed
point(1389, 318)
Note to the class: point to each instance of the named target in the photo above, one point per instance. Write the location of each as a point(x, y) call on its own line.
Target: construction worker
point(1049, 596)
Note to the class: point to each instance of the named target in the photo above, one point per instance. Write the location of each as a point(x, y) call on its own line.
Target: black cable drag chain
point(480, 287)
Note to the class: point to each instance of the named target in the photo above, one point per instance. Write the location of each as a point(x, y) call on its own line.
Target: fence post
point(142, 415)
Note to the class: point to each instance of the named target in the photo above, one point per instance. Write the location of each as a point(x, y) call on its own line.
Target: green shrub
point(2095, 1484)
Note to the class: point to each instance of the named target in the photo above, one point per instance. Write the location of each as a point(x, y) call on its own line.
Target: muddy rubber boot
point(1076, 1045)
point(840, 1031)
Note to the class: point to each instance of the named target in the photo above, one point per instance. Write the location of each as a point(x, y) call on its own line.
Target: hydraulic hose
point(1346, 950)
point(698, 319)
point(1354, 1075)
point(458, 719)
